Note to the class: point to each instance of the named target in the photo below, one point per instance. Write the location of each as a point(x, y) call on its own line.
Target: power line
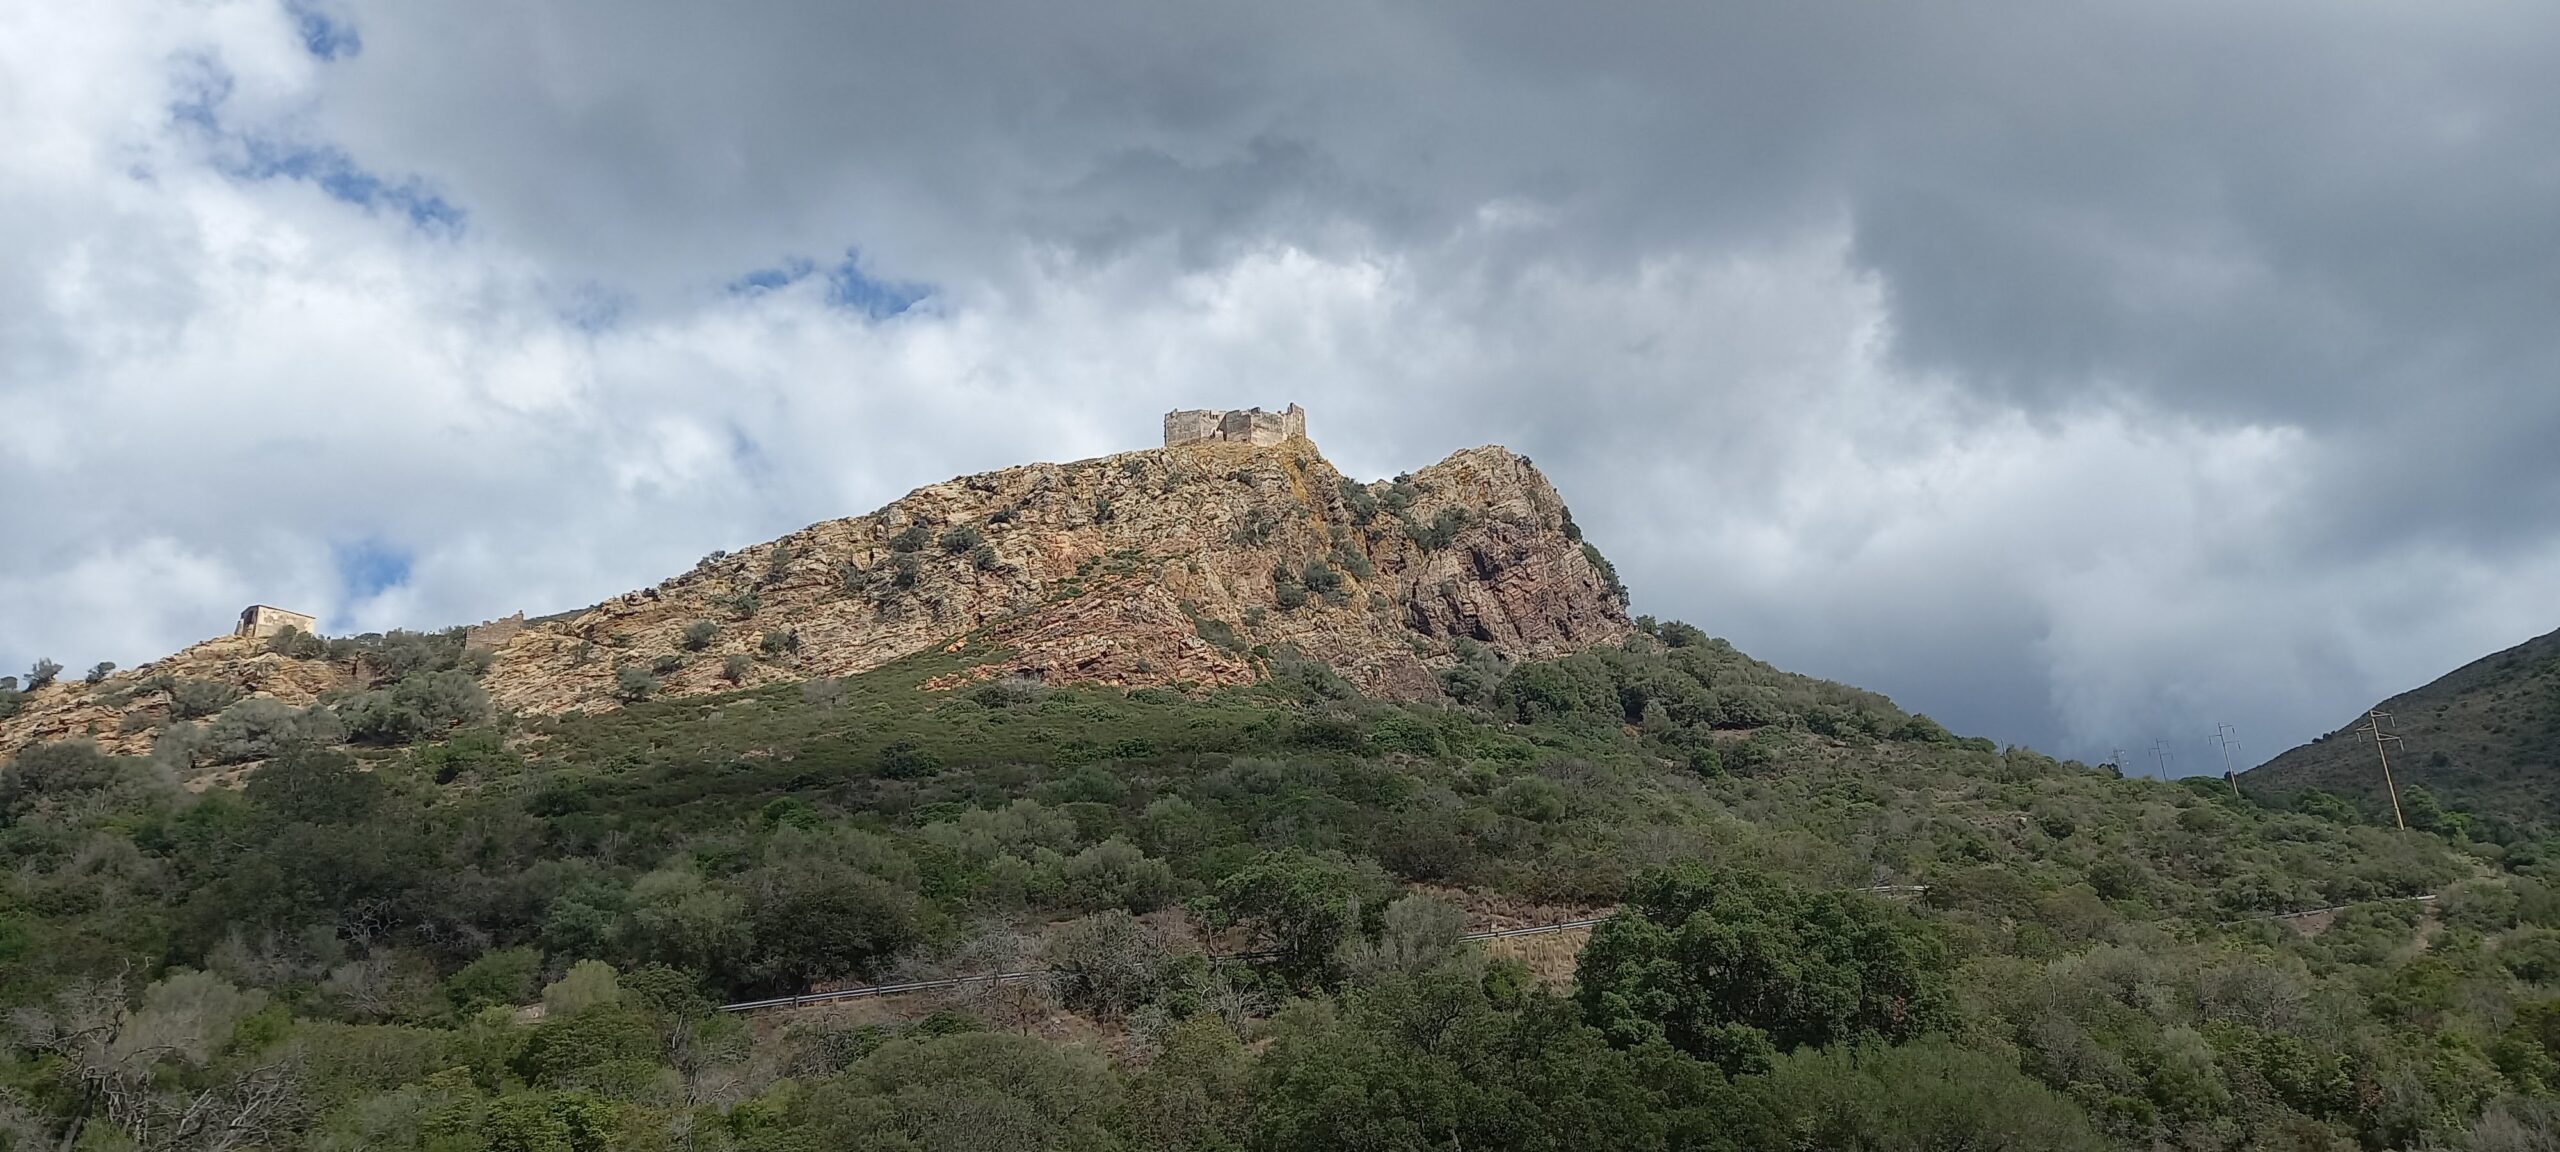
point(2379, 723)
point(2228, 739)
point(2161, 755)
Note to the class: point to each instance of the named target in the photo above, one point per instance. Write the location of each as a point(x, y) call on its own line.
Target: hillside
point(1191, 566)
point(2483, 739)
point(488, 901)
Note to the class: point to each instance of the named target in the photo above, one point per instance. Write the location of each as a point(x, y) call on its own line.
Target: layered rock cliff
point(1188, 566)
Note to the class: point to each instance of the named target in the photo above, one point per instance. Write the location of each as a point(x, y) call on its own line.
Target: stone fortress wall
point(258, 621)
point(1242, 425)
point(491, 635)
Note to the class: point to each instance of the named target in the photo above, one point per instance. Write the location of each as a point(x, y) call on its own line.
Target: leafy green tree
point(1439, 1063)
point(260, 727)
point(504, 978)
point(57, 772)
point(1731, 966)
point(1300, 906)
point(815, 918)
point(699, 635)
point(633, 683)
point(1196, 1095)
point(419, 705)
point(194, 699)
point(974, 1092)
point(1106, 964)
point(1927, 1095)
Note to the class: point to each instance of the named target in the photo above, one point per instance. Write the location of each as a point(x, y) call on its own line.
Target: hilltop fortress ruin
point(1242, 426)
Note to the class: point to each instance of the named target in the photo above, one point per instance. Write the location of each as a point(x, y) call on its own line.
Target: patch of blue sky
point(368, 568)
point(847, 286)
point(248, 155)
point(322, 35)
point(780, 276)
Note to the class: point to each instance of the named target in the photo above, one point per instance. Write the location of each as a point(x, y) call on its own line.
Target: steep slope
point(2484, 738)
point(1196, 565)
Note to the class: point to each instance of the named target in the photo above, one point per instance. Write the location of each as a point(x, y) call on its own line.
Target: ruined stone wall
point(1189, 425)
point(1239, 426)
point(258, 621)
point(492, 635)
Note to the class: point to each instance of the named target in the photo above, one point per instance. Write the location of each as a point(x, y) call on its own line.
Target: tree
point(56, 770)
point(1300, 906)
point(1197, 1093)
point(973, 1092)
point(1930, 1094)
point(815, 918)
point(42, 674)
point(99, 672)
point(734, 669)
point(633, 683)
point(193, 699)
point(1731, 966)
point(1417, 933)
point(260, 727)
point(1106, 964)
point(699, 635)
point(153, 1072)
point(418, 706)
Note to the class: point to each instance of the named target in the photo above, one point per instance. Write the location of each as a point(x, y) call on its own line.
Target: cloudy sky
point(2081, 374)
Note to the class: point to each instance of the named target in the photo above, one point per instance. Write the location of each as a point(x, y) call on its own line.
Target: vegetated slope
point(2483, 739)
point(332, 956)
point(1190, 566)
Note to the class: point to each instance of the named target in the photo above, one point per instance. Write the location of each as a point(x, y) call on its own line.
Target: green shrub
point(195, 699)
point(699, 635)
point(1286, 590)
point(1732, 967)
point(912, 538)
point(1607, 571)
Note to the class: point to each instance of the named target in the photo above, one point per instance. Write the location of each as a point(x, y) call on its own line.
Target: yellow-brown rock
point(1146, 568)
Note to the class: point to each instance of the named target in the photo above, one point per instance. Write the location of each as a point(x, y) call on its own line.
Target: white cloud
point(220, 377)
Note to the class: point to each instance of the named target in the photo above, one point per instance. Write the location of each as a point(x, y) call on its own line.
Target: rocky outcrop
point(1182, 566)
point(1188, 567)
point(126, 711)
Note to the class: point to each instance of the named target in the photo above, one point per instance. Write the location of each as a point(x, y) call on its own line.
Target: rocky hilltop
point(1188, 566)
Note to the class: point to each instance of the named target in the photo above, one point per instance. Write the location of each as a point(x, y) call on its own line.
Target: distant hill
point(1188, 566)
point(2483, 739)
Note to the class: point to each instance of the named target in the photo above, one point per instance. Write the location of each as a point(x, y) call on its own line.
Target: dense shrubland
point(333, 955)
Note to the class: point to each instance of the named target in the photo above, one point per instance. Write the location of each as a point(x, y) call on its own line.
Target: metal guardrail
point(992, 979)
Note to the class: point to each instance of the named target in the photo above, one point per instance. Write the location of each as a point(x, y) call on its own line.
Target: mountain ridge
point(1188, 566)
point(2484, 737)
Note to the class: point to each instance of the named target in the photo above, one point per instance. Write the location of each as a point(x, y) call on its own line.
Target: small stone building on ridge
point(1242, 426)
point(259, 620)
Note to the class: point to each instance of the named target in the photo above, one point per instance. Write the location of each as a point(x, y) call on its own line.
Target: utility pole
point(2228, 738)
point(2161, 755)
point(2378, 723)
point(2118, 762)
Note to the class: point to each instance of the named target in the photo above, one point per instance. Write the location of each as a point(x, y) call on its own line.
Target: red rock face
point(1150, 568)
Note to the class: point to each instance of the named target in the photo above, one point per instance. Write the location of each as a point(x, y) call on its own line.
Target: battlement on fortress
point(1240, 425)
